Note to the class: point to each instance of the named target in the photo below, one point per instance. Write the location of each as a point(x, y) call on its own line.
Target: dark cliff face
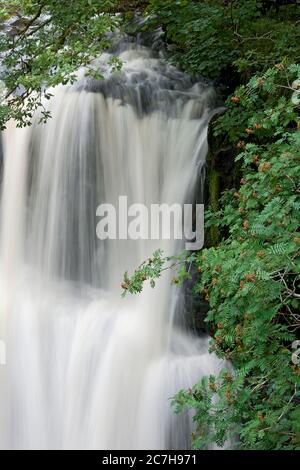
point(222, 173)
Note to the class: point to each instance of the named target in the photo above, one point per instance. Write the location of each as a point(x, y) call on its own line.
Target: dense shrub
point(252, 278)
point(210, 37)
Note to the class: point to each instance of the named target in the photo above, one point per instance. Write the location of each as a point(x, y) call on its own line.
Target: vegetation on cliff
point(251, 278)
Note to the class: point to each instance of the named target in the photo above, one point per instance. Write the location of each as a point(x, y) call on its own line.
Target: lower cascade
point(86, 368)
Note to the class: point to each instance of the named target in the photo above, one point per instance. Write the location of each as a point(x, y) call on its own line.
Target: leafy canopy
point(210, 36)
point(43, 44)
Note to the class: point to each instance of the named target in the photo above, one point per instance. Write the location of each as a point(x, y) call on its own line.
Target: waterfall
point(85, 368)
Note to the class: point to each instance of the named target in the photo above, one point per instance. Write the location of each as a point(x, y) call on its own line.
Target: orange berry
point(228, 377)
point(246, 224)
point(240, 144)
point(228, 394)
point(265, 166)
point(260, 416)
point(218, 339)
point(279, 66)
point(277, 188)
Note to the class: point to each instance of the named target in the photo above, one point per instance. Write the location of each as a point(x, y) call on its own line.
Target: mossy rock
point(222, 173)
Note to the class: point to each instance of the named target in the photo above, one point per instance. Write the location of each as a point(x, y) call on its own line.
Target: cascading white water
point(86, 368)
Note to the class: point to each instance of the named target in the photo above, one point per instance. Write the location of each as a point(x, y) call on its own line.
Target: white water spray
point(85, 368)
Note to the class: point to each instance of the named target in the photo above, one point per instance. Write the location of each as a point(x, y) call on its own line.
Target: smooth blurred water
point(86, 368)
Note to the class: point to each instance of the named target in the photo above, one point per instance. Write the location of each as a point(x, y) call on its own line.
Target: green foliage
point(211, 36)
point(148, 270)
point(51, 40)
point(151, 269)
point(252, 278)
